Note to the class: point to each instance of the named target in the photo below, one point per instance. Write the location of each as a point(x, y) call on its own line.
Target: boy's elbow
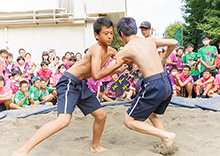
point(175, 42)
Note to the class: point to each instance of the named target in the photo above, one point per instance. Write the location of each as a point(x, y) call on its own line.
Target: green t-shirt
point(46, 92)
point(188, 58)
point(34, 93)
point(19, 96)
point(207, 56)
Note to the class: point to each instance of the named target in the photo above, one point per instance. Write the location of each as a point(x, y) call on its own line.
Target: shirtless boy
point(72, 90)
point(156, 86)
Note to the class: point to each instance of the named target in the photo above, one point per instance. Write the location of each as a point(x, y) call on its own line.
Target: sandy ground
point(198, 134)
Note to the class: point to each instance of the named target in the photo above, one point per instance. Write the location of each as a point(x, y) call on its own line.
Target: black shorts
point(154, 97)
point(71, 92)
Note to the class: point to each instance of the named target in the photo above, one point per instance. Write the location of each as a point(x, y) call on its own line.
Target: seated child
point(44, 72)
point(9, 66)
point(132, 89)
point(34, 91)
point(22, 98)
point(62, 69)
point(179, 54)
point(23, 68)
point(108, 95)
point(46, 93)
point(5, 95)
point(13, 82)
point(184, 80)
point(94, 86)
point(216, 90)
point(172, 75)
point(204, 84)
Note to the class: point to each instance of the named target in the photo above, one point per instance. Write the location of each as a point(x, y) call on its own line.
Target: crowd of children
point(22, 84)
point(195, 74)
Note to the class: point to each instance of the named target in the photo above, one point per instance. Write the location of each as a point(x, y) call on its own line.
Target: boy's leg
point(198, 90)
point(44, 132)
point(14, 106)
point(189, 89)
point(98, 127)
point(207, 88)
point(142, 127)
point(156, 121)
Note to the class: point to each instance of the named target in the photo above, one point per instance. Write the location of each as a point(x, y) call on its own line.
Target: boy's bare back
point(95, 58)
point(143, 52)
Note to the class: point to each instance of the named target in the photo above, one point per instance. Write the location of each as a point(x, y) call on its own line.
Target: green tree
point(201, 16)
point(171, 29)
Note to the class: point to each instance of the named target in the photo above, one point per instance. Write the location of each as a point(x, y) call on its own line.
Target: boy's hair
point(15, 72)
point(206, 36)
point(43, 63)
point(174, 67)
point(44, 79)
point(3, 51)
point(179, 49)
point(207, 70)
point(114, 47)
point(27, 54)
point(127, 25)
point(23, 82)
point(9, 55)
point(20, 58)
point(85, 51)
point(67, 53)
point(20, 50)
point(61, 65)
point(100, 22)
point(190, 44)
point(2, 78)
point(35, 79)
point(78, 53)
point(186, 66)
point(63, 58)
point(73, 58)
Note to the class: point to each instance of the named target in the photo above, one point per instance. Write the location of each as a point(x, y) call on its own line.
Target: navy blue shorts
point(71, 92)
point(154, 97)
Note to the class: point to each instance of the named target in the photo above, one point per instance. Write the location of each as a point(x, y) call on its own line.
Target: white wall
point(38, 39)
point(22, 5)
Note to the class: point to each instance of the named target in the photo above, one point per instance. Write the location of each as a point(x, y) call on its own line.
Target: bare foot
point(97, 149)
point(17, 153)
point(168, 141)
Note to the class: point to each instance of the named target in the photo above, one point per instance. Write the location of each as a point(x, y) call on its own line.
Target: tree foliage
point(201, 16)
point(171, 29)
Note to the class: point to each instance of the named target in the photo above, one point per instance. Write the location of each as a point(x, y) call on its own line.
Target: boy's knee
point(101, 116)
point(63, 120)
point(128, 122)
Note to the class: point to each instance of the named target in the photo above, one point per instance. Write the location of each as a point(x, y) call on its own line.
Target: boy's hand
point(122, 68)
point(211, 92)
point(119, 61)
point(26, 95)
point(215, 53)
point(163, 61)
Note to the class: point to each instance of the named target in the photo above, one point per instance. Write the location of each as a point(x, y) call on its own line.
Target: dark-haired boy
point(46, 93)
point(22, 98)
point(5, 95)
point(156, 86)
point(185, 80)
point(204, 84)
point(34, 92)
point(9, 66)
point(44, 72)
point(72, 89)
point(206, 55)
point(192, 60)
point(13, 82)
